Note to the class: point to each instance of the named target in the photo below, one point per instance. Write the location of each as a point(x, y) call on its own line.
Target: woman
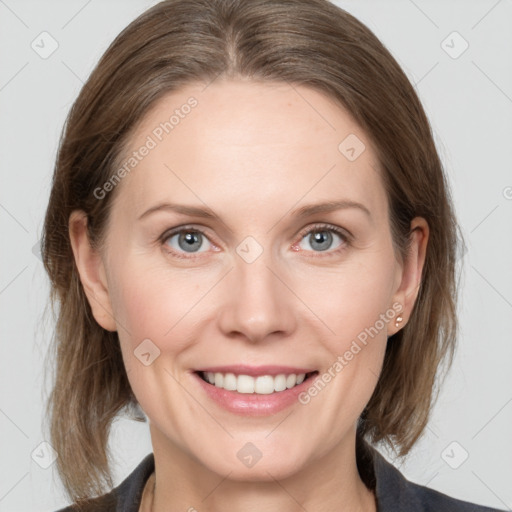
point(214, 145)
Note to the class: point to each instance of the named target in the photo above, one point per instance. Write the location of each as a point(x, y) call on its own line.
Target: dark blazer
point(394, 492)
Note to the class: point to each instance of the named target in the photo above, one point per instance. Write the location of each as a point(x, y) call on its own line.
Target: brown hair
point(303, 42)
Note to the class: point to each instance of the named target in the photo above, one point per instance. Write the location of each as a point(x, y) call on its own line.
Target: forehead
point(249, 144)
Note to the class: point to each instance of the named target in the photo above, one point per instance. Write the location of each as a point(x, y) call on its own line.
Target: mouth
point(253, 390)
point(262, 384)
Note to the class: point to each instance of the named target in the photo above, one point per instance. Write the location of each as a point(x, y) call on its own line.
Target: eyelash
point(345, 237)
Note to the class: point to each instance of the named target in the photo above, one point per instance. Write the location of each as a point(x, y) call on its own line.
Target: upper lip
point(254, 371)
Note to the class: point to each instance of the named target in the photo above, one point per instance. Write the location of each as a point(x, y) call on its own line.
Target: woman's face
point(255, 285)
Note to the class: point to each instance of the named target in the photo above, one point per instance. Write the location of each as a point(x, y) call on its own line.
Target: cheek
point(154, 310)
point(355, 306)
point(352, 298)
point(151, 300)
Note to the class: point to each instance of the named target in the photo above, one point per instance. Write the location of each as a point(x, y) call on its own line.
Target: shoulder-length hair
point(302, 42)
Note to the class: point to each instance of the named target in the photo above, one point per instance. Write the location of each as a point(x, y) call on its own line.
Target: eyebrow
point(302, 212)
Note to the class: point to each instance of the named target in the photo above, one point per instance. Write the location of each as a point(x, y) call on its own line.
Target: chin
point(254, 465)
point(261, 472)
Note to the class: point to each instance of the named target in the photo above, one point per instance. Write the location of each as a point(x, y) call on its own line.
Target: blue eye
point(189, 242)
point(185, 240)
point(320, 238)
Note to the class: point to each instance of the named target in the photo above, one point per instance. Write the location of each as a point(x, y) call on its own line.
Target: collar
point(394, 493)
point(377, 474)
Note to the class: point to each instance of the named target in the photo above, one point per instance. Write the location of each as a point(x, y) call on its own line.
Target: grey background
point(469, 102)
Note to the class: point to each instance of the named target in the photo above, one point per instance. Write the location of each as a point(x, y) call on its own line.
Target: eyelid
point(327, 227)
point(178, 230)
point(345, 235)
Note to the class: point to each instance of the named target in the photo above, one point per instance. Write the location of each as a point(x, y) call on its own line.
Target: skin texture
point(253, 153)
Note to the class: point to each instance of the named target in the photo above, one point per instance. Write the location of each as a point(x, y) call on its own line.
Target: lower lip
point(252, 404)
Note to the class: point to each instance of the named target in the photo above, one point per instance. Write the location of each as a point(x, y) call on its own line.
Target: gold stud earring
point(399, 320)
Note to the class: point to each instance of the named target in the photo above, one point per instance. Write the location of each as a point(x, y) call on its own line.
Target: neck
point(184, 483)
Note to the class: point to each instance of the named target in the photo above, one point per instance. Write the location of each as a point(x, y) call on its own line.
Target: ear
point(91, 271)
point(410, 275)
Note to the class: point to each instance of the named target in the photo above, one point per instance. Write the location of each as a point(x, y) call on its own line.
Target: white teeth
point(291, 380)
point(230, 382)
point(264, 385)
point(280, 382)
point(245, 384)
point(219, 380)
point(261, 385)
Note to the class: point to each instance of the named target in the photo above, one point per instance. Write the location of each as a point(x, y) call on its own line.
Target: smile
point(253, 390)
point(259, 385)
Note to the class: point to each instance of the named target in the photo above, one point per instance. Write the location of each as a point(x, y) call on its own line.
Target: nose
point(257, 303)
